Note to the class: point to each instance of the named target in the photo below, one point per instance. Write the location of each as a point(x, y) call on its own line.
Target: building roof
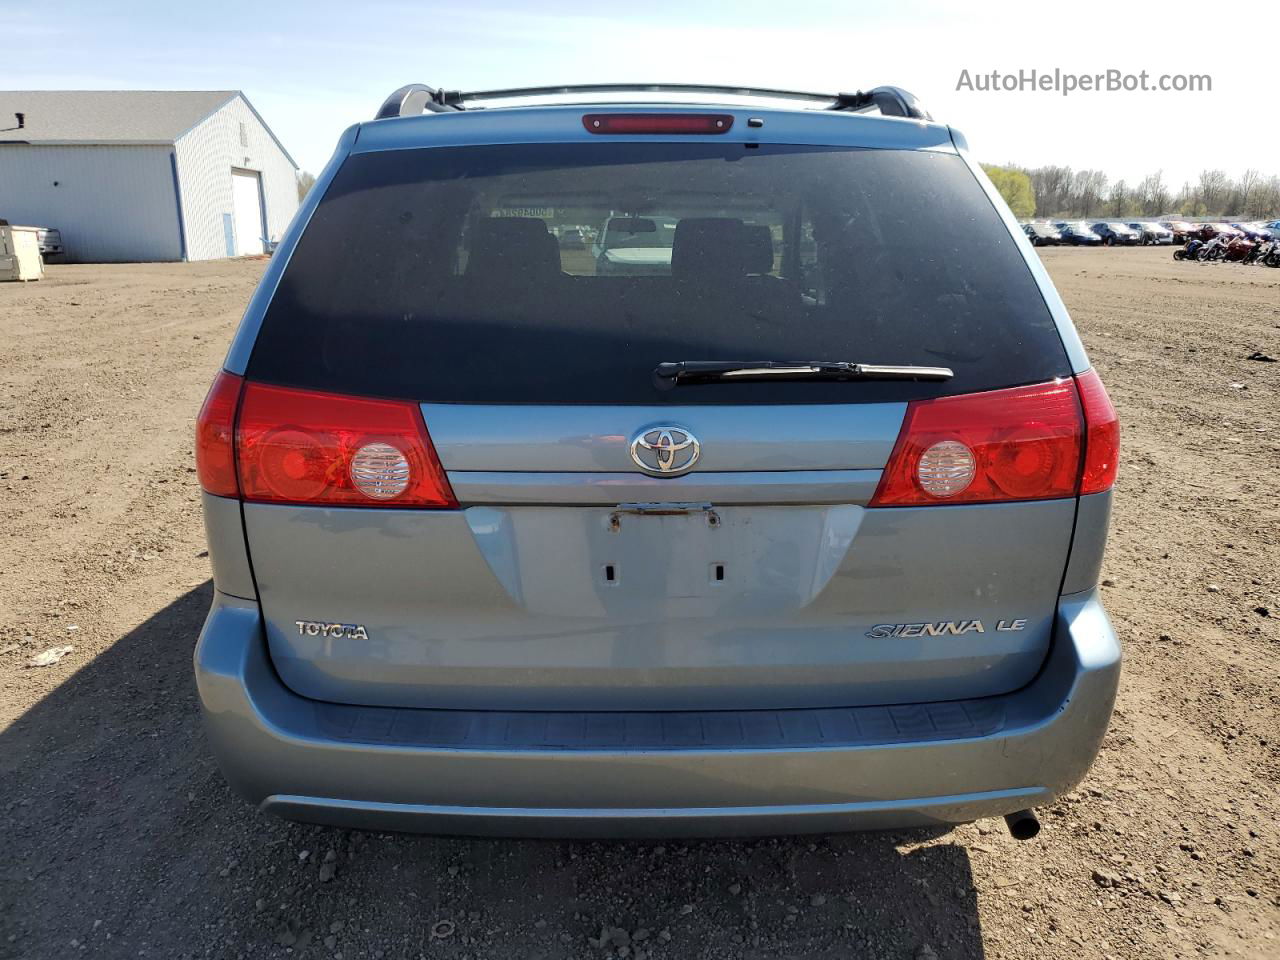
point(113, 116)
point(106, 116)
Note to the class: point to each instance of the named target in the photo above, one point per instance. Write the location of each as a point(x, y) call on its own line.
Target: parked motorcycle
point(1214, 249)
point(1238, 249)
point(1190, 252)
point(1258, 252)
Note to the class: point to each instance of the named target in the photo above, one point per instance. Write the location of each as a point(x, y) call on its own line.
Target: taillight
point(1102, 435)
point(215, 439)
point(633, 123)
point(300, 446)
point(1023, 443)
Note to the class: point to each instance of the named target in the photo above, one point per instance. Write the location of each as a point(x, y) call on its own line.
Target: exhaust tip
point(1023, 825)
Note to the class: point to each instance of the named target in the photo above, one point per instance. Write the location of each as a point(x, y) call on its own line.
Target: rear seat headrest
point(759, 241)
point(518, 247)
point(706, 248)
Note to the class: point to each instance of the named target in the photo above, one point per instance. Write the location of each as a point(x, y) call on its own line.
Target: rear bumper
point(634, 774)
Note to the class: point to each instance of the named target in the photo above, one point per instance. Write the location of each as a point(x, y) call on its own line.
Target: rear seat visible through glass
point(437, 275)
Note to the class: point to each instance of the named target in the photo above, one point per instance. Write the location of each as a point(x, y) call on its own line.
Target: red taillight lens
point(694, 123)
point(1017, 444)
point(215, 437)
point(300, 446)
point(1102, 437)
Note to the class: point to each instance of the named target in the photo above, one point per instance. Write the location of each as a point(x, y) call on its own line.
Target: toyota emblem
point(665, 451)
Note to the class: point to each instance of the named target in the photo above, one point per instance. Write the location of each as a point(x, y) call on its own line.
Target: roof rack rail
point(415, 99)
point(892, 102)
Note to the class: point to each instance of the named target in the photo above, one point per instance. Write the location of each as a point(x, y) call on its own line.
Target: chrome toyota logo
point(665, 451)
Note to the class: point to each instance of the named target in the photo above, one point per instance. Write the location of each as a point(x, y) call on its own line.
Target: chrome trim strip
point(607, 489)
point(595, 438)
point(291, 806)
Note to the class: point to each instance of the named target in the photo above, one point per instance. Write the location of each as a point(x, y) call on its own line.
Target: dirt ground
point(120, 838)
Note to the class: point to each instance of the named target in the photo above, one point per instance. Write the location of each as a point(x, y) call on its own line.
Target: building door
point(246, 202)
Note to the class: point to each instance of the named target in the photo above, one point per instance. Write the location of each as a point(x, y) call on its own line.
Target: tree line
point(1055, 191)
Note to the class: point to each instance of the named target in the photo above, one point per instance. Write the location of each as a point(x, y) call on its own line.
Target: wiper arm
point(668, 375)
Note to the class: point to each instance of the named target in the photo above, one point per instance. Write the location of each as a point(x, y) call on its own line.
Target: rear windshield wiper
point(668, 375)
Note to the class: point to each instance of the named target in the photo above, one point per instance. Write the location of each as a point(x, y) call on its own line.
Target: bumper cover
point(716, 773)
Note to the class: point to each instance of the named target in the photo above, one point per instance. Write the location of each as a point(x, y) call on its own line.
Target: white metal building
point(144, 174)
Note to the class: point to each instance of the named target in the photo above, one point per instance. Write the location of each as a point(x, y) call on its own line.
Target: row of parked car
point(1044, 233)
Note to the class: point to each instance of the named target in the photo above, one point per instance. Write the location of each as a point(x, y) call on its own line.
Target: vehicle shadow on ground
point(122, 836)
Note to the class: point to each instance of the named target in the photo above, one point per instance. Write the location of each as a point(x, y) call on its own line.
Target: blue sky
point(311, 69)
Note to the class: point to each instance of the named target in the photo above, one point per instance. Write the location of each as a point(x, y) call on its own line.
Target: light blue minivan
point(792, 523)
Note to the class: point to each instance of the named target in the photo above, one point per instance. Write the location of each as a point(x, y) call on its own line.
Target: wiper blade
point(668, 375)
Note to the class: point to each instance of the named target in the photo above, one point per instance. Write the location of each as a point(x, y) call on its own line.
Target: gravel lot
point(121, 840)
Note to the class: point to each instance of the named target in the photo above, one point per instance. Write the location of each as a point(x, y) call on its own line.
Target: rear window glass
point(564, 273)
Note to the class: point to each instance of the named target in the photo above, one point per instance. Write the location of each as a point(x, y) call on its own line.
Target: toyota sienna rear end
point(793, 526)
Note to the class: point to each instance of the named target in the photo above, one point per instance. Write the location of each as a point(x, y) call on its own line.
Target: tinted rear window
point(564, 273)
